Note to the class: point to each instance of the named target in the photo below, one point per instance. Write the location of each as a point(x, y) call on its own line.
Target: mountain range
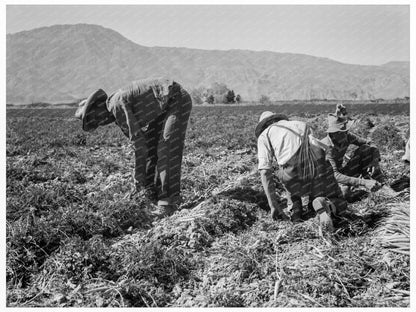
point(64, 63)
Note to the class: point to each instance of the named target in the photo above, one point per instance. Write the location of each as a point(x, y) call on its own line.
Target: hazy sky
point(358, 34)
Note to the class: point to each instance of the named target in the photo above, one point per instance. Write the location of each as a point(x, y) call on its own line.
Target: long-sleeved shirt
point(335, 153)
point(135, 105)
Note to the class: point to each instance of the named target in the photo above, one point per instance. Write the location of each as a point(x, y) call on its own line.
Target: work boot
point(296, 215)
point(338, 206)
point(323, 213)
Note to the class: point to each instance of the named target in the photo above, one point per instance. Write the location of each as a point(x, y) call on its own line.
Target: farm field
point(74, 238)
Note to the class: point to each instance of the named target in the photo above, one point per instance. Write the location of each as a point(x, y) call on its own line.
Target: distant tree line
point(215, 94)
point(219, 93)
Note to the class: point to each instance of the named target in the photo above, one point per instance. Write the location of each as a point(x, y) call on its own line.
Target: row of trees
point(217, 93)
point(220, 93)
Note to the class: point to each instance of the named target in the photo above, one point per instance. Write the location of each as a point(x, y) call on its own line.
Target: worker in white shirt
point(303, 169)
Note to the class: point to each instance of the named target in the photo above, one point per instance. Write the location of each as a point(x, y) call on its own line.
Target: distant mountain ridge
point(65, 63)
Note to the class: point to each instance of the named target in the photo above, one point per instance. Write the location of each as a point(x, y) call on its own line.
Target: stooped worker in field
point(363, 168)
point(302, 169)
point(153, 114)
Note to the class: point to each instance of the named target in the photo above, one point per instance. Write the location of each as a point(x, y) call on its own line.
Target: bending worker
point(153, 114)
point(363, 168)
point(303, 170)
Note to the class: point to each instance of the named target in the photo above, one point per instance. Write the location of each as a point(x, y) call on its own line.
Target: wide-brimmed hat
point(338, 123)
point(266, 119)
point(91, 110)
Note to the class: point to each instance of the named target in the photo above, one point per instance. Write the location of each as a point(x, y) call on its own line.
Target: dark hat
point(338, 123)
point(91, 110)
point(266, 119)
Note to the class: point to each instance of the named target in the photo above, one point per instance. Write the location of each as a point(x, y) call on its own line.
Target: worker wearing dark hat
point(153, 114)
point(303, 169)
point(362, 169)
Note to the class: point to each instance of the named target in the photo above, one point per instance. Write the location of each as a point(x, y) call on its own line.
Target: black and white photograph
point(207, 155)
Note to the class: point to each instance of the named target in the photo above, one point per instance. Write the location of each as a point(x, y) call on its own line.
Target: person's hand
point(372, 185)
point(279, 215)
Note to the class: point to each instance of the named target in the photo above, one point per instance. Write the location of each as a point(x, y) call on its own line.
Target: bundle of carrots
point(395, 232)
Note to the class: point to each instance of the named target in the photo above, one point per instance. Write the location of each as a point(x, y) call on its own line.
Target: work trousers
point(358, 165)
point(165, 137)
point(360, 160)
point(323, 184)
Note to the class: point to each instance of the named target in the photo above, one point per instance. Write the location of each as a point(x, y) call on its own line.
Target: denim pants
point(165, 137)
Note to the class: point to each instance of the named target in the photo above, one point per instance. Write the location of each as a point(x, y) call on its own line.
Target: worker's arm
point(265, 158)
point(371, 185)
point(133, 125)
point(270, 190)
point(339, 177)
point(137, 139)
point(356, 140)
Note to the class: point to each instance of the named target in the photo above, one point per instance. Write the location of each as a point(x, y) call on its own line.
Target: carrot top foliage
point(75, 239)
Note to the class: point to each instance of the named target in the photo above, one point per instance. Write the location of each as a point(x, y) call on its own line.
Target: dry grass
point(394, 231)
point(74, 239)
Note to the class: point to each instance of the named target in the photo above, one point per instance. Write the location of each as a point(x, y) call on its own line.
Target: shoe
point(323, 213)
point(296, 211)
point(296, 216)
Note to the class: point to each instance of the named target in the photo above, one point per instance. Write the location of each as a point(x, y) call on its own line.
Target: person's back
point(281, 140)
point(289, 143)
point(153, 113)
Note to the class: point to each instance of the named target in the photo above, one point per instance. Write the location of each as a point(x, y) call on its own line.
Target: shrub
point(264, 100)
point(363, 127)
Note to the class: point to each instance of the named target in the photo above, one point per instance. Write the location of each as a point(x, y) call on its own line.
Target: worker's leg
point(326, 186)
point(171, 148)
point(323, 213)
point(295, 190)
point(152, 135)
point(362, 158)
